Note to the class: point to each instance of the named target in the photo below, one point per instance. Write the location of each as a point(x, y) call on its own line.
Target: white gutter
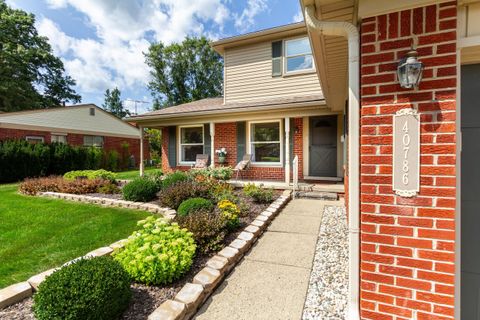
point(348, 30)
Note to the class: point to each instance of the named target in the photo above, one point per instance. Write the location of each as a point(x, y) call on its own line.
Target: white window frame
point(40, 139)
point(93, 141)
point(285, 57)
point(180, 144)
point(54, 134)
point(249, 143)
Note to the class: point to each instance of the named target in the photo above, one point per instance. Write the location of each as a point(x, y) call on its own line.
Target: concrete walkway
point(271, 282)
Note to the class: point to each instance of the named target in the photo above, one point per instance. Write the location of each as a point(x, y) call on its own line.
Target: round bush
point(194, 204)
point(173, 178)
point(140, 189)
point(97, 288)
point(159, 253)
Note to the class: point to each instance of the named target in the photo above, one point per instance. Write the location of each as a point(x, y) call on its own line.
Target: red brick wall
point(110, 143)
point(226, 137)
point(298, 145)
point(407, 244)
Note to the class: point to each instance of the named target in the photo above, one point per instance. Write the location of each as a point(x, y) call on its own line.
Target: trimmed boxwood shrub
point(194, 204)
point(140, 189)
point(173, 178)
point(159, 253)
point(97, 288)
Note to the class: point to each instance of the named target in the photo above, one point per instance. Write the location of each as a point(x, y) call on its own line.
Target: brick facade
point(226, 136)
point(407, 244)
point(75, 139)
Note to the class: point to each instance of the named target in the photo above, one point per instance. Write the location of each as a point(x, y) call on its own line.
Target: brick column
point(407, 244)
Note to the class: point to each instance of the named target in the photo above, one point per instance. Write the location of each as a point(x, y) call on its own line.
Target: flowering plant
point(222, 152)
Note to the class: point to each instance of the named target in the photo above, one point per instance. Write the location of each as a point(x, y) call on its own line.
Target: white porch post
point(287, 151)
point(212, 142)
point(141, 152)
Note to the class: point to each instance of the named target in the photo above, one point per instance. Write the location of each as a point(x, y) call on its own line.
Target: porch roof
point(216, 106)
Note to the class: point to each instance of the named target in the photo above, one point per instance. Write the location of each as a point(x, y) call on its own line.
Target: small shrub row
point(218, 173)
point(90, 174)
point(59, 184)
point(258, 193)
point(159, 253)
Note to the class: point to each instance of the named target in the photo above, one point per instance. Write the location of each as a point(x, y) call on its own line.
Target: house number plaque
point(406, 152)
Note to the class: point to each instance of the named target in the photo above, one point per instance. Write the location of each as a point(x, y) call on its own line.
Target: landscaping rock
point(268, 214)
point(239, 244)
point(15, 293)
point(191, 295)
point(253, 229)
point(37, 279)
point(119, 244)
point(262, 217)
point(208, 278)
point(169, 310)
point(104, 251)
point(219, 263)
point(230, 253)
point(247, 236)
point(262, 224)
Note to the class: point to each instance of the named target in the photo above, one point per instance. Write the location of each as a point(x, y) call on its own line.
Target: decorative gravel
point(328, 286)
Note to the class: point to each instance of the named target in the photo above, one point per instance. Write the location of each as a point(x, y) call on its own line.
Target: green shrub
point(208, 228)
point(194, 204)
point(159, 253)
point(111, 160)
point(222, 191)
point(97, 288)
point(140, 189)
point(109, 188)
point(174, 195)
point(173, 178)
point(217, 173)
point(258, 193)
point(156, 176)
point(91, 174)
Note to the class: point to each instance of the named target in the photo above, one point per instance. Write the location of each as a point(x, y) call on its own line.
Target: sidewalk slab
point(296, 224)
point(258, 290)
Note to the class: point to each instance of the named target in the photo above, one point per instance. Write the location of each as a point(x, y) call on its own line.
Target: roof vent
point(92, 111)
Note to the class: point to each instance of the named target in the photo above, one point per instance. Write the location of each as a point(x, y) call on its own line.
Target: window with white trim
point(93, 141)
point(265, 142)
point(298, 55)
point(35, 139)
point(191, 143)
point(59, 138)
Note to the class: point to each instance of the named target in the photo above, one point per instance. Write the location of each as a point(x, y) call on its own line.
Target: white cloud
point(247, 19)
point(298, 16)
point(122, 28)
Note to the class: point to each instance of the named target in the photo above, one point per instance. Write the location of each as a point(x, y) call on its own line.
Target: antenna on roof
point(135, 103)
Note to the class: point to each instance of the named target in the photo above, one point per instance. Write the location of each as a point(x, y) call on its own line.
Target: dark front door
point(323, 146)
point(470, 171)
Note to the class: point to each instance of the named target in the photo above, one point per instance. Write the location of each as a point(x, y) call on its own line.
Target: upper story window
point(191, 143)
point(298, 55)
point(93, 141)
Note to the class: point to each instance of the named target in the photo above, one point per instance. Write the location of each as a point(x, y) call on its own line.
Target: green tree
point(184, 72)
point(113, 103)
point(31, 77)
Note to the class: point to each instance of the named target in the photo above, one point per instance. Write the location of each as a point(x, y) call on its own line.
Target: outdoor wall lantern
point(409, 70)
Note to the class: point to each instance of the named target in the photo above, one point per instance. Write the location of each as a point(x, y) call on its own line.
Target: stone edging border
point(192, 295)
point(108, 202)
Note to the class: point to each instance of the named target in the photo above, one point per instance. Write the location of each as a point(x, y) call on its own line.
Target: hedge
point(20, 159)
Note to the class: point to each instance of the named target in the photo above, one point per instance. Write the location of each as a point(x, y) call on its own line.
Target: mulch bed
point(145, 298)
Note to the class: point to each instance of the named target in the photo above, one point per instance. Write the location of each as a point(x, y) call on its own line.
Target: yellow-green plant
point(229, 212)
point(159, 253)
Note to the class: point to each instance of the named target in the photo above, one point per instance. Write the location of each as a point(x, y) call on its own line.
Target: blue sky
point(101, 41)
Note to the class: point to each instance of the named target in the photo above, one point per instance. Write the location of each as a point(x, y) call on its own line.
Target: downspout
point(348, 30)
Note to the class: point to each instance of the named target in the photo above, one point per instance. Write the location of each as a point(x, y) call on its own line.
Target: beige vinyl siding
point(248, 76)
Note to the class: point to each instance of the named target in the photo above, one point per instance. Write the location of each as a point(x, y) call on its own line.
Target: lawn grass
point(37, 234)
point(132, 174)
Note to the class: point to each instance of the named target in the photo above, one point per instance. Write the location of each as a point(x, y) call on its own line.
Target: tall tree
point(31, 77)
point(113, 103)
point(184, 72)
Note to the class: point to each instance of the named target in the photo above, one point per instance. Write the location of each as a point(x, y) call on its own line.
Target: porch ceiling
point(331, 53)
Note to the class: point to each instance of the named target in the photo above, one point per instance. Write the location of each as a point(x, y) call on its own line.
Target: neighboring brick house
point(414, 252)
point(79, 125)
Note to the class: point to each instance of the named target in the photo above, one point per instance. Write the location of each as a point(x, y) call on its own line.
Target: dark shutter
point(241, 140)
point(172, 146)
point(207, 143)
point(277, 58)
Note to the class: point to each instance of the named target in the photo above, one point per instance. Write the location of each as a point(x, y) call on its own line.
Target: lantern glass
point(409, 71)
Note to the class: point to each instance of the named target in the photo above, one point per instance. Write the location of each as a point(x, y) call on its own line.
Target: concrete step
point(318, 195)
